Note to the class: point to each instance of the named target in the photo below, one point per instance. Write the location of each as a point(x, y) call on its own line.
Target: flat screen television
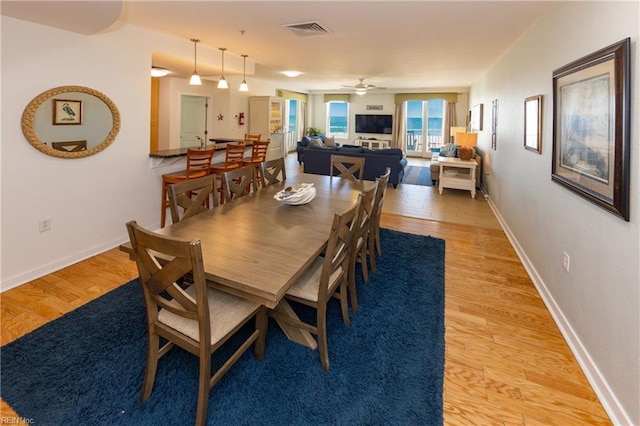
point(374, 123)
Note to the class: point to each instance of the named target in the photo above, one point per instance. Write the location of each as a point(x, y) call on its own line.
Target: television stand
point(372, 143)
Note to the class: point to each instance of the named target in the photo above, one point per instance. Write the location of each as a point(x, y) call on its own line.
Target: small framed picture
point(476, 118)
point(533, 123)
point(67, 111)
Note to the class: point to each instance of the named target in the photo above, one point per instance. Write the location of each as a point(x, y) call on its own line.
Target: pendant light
point(195, 78)
point(243, 85)
point(222, 83)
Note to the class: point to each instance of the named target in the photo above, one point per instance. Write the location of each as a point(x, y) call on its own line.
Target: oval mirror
point(71, 122)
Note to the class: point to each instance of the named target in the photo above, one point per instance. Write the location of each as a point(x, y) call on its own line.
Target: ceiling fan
point(362, 88)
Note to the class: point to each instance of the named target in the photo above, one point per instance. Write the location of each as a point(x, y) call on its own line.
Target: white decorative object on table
point(297, 194)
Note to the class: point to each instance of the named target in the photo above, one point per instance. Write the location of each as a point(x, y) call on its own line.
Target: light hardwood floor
point(506, 363)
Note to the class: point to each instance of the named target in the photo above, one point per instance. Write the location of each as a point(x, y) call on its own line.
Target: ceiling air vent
point(307, 28)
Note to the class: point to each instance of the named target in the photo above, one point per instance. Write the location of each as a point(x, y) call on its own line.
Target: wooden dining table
point(256, 247)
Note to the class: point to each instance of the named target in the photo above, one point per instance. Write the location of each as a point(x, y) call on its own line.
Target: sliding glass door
point(425, 127)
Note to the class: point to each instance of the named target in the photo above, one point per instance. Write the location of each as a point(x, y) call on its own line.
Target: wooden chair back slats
point(198, 165)
point(239, 182)
point(183, 317)
point(252, 137)
point(259, 151)
point(70, 146)
point(374, 228)
point(193, 196)
point(337, 254)
point(272, 171)
point(332, 270)
point(199, 162)
point(234, 155)
point(348, 167)
point(359, 248)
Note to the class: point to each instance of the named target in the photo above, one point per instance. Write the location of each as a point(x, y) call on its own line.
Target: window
point(292, 117)
point(425, 125)
point(338, 119)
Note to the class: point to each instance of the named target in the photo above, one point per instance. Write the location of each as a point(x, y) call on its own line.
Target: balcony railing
point(415, 141)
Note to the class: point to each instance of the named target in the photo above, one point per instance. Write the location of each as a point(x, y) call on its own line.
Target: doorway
point(425, 127)
point(193, 120)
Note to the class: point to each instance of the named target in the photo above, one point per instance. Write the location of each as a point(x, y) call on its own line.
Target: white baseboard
point(607, 398)
point(49, 268)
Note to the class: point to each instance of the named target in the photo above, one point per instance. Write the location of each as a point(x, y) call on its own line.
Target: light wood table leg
point(294, 333)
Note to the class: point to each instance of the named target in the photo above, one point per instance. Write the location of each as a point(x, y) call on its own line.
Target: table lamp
point(466, 141)
point(455, 130)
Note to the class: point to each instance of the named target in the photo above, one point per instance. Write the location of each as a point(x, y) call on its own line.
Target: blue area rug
point(386, 368)
point(415, 175)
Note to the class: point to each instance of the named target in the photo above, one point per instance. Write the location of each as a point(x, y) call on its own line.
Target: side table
point(457, 174)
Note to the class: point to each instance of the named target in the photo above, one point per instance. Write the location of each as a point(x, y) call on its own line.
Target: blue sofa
point(317, 160)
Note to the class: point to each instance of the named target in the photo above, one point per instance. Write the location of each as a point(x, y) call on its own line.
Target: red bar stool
point(198, 165)
point(258, 155)
point(233, 160)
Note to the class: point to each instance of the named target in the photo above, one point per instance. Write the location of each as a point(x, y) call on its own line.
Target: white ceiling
point(395, 44)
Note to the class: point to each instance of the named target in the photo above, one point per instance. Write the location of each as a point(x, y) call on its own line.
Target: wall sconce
point(195, 78)
point(222, 83)
point(243, 86)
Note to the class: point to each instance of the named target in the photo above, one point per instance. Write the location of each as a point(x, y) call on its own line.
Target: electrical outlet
point(45, 225)
point(565, 261)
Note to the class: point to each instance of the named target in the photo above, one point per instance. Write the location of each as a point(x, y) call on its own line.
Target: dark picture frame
point(591, 127)
point(533, 123)
point(494, 124)
point(67, 111)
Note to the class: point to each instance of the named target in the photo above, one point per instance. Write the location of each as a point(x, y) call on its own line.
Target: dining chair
point(326, 276)
point(233, 160)
point(198, 165)
point(239, 182)
point(359, 249)
point(272, 171)
point(198, 319)
point(348, 167)
point(192, 196)
point(374, 233)
point(258, 155)
point(252, 137)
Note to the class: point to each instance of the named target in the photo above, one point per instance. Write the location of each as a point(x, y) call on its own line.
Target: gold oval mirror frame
point(29, 115)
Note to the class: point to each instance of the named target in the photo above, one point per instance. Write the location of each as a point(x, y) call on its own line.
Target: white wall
point(88, 200)
point(596, 304)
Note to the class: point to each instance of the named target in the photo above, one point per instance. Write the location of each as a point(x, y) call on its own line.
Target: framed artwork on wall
point(67, 111)
point(476, 118)
point(591, 125)
point(494, 124)
point(533, 123)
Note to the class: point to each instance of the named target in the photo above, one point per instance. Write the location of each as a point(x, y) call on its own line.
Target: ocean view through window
point(425, 126)
point(338, 119)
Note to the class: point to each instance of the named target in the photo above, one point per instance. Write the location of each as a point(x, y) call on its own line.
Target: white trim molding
point(607, 398)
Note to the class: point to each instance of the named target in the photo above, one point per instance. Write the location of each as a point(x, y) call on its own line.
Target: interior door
point(193, 120)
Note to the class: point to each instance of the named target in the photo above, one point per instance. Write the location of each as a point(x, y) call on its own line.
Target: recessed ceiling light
point(158, 72)
point(291, 73)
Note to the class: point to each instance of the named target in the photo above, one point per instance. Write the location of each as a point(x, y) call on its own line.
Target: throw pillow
point(317, 142)
point(329, 141)
point(449, 150)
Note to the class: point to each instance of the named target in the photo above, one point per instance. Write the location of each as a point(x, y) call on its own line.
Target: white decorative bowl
point(296, 195)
